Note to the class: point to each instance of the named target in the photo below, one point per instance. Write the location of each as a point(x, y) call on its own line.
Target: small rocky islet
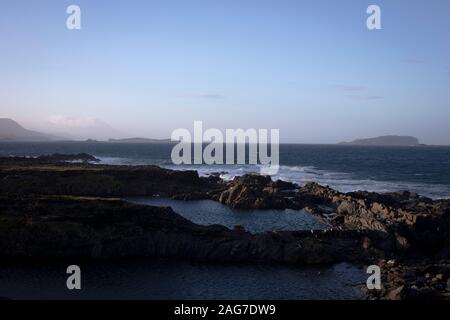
point(65, 206)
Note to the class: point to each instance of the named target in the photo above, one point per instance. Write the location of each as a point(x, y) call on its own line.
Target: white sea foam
point(342, 181)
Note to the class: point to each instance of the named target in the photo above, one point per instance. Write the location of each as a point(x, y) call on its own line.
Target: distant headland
point(139, 140)
point(11, 131)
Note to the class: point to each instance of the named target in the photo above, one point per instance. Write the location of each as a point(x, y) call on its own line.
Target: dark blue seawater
point(207, 212)
point(181, 280)
point(425, 170)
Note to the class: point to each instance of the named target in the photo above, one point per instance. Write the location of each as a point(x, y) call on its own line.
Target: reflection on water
point(209, 212)
point(175, 280)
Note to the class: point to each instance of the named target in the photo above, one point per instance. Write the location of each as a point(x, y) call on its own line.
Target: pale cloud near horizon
point(79, 127)
point(73, 122)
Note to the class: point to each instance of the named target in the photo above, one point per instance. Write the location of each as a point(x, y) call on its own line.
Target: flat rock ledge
point(57, 227)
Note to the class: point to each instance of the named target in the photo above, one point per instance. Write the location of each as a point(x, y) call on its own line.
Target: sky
point(309, 68)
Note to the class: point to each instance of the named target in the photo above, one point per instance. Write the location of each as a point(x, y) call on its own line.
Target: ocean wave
point(341, 181)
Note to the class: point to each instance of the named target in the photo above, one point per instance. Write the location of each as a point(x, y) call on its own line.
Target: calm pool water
point(207, 212)
point(174, 280)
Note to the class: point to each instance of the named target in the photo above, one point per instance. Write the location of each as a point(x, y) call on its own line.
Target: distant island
point(139, 140)
point(385, 141)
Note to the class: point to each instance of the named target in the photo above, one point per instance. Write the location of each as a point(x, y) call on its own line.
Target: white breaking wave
point(301, 175)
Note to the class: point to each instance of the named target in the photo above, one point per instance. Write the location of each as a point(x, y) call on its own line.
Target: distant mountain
point(14, 132)
point(385, 141)
point(139, 140)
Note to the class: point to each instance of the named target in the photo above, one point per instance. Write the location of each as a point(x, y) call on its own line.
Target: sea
point(424, 170)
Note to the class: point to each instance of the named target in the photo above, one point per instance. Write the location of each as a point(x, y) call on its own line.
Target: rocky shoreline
point(51, 208)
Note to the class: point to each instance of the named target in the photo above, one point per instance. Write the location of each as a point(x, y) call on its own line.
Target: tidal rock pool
point(207, 212)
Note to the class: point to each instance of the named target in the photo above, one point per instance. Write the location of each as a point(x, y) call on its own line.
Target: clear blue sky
point(310, 68)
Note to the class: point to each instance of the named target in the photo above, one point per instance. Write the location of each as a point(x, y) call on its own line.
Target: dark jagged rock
point(83, 157)
point(414, 280)
point(256, 192)
point(56, 157)
point(98, 180)
point(413, 222)
point(416, 223)
point(58, 227)
point(208, 188)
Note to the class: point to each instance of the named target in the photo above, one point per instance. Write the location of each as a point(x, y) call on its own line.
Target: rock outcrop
point(57, 157)
point(59, 227)
point(256, 192)
point(48, 209)
point(35, 176)
point(416, 223)
point(413, 280)
point(51, 158)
